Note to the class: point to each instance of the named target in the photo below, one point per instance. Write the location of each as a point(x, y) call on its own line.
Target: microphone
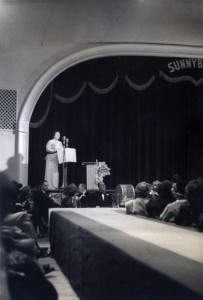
point(64, 140)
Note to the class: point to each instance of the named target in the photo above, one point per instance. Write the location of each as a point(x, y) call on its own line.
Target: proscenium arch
point(91, 52)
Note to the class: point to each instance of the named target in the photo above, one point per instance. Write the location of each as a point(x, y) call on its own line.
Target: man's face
point(102, 187)
point(81, 188)
point(155, 186)
point(45, 186)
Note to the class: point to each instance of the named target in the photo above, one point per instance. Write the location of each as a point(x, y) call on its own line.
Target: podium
point(66, 155)
point(91, 168)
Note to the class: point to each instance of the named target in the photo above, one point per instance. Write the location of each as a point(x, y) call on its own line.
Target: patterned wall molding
point(8, 109)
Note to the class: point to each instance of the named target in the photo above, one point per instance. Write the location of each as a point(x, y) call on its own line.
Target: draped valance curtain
point(128, 111)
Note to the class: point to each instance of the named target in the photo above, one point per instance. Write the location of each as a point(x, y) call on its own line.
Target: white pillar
point(22, 148)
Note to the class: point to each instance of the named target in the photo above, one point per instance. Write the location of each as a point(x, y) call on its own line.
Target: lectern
point(64, 156)
point(91, 169)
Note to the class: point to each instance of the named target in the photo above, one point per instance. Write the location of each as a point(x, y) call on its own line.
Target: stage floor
point(159, 253)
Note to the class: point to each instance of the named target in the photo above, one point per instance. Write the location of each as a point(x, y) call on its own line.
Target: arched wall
point(22, 134)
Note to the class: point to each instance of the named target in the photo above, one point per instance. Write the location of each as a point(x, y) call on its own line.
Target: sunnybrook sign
point(187, 63)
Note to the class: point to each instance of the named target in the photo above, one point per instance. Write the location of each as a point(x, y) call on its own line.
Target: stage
point(107, 254)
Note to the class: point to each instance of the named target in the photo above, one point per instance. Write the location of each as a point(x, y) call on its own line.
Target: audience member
point(17, 206)
point(69, 196)
point(102, 198)
point(137, 206)
point(172, 209)
point(154, 189)
point(24, 274)
point(42, 203)
point(192, 213)
point(10, 220)
point(22, 221)
point(156, 205)
point(13, 222)
point(26, 198)
point(194, 195)
point(4, 289)
point(176, 178)
point(154, 199)
point(184, 216)
point(200, 222)
point(84, 197)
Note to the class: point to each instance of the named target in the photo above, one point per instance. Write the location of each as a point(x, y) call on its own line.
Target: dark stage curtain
point(119, 110)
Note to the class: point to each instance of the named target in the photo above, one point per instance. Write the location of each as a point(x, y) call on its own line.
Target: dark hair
point(164, 189)
point(17, 186)
point(44, 181)
point(70, 190)
point(83, 185)
point(25, 192)
point(194, 195)
point(180, 187)
point(142, 189)
point(101, 183)
point(54, 131)
point(176, 177)
point(200, 222)
point(194, 189)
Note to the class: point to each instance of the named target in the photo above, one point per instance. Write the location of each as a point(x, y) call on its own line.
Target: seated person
point(137, 206)
point(4, 290)
point(42, 203)
point(185, 215)
point(26, 198)
point(154, 199)
point(192, 212)
point(12, 237)
point(22, 221)
point(200, 222)
point(154, 189)
point(25, 275)
point(17, 206)
point(176, 178)
point(172, 209)
point(69, 196)
point(102, 198)
point(19, 224)
point(84, 197)
point(156, 205)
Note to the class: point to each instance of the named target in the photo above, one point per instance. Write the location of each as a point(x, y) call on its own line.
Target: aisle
point(57, 278)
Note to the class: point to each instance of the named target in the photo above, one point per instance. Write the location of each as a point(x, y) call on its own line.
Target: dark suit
point(103, 199)
point(42, 203)
point(86, 200)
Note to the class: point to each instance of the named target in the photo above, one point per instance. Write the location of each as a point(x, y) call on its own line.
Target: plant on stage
point(102, 170)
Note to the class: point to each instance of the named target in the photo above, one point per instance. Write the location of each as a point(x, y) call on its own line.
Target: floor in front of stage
point(57, 278)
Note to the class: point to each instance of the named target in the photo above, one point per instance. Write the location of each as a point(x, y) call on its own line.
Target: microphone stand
point(64, 143)
point(66, 166)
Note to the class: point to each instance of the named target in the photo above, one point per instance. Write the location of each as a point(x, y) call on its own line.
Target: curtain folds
point(140, 87)
point(181, 78)
point(73, 98)
point(103, 91)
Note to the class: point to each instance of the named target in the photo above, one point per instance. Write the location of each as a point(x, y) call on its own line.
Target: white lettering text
point(187, 63)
